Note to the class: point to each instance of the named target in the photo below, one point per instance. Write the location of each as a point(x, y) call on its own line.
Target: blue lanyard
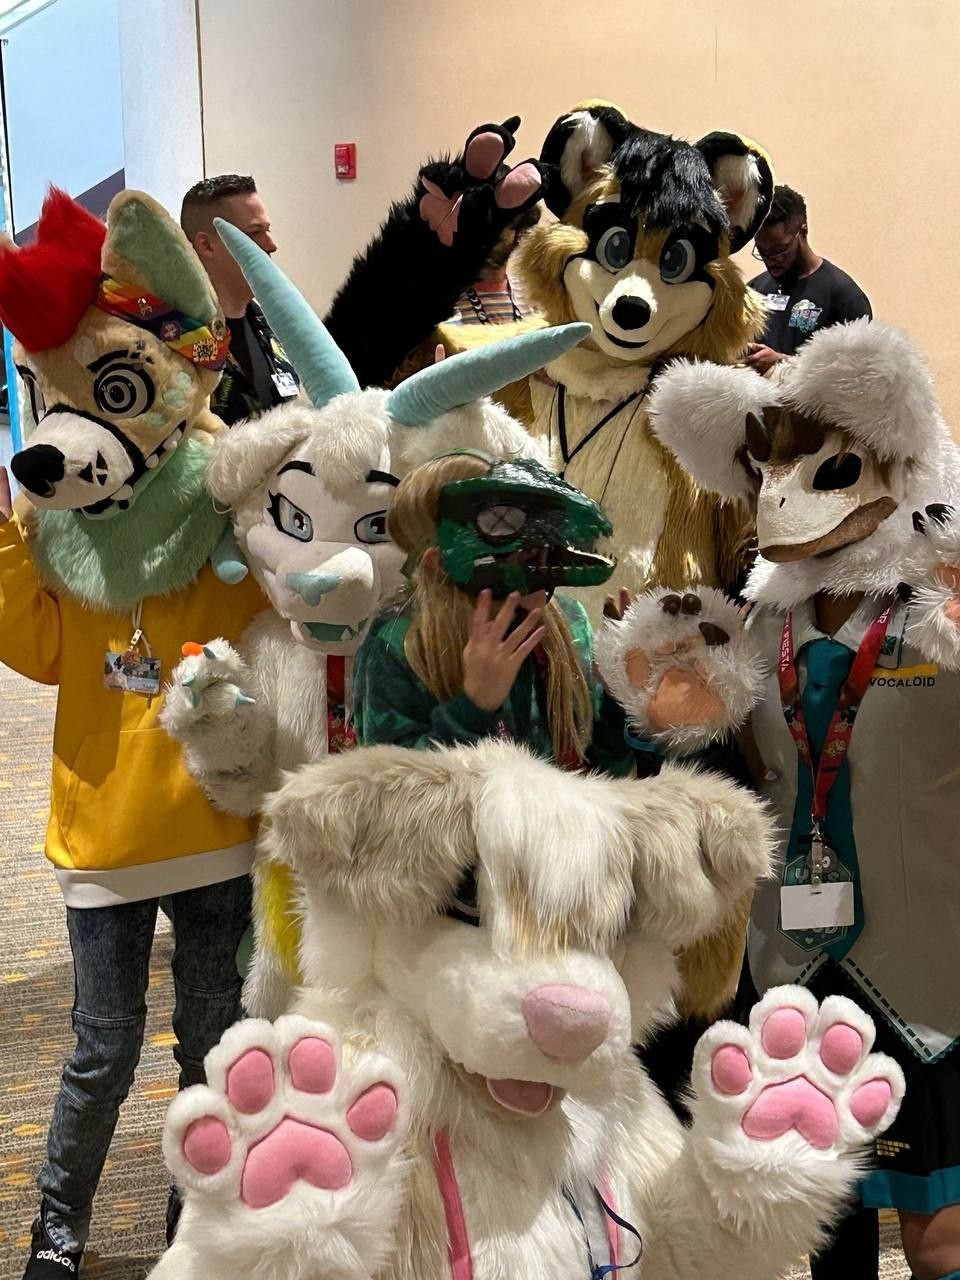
point(598, 1272)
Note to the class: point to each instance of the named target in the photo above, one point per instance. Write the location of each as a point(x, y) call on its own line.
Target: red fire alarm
point(345, 159)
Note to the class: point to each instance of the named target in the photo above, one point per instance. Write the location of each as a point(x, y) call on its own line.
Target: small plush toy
point(454, 1092)
point(309, 488)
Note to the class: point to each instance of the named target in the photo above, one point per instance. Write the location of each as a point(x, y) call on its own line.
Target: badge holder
point(816, 897)
point(133, 669)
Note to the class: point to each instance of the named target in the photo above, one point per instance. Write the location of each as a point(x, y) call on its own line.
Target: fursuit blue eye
point(614, 248)
point(677, 262)
point(290, 520)
point(372, 528)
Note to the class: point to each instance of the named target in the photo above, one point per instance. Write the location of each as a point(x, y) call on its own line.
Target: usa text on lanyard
point(837, 741)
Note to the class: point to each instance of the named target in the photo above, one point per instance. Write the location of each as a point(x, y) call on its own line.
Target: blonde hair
point(442, 612)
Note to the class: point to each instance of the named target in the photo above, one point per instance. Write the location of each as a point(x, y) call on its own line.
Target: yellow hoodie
point(126, 820)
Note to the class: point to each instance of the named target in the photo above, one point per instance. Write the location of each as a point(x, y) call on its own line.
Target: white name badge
point(823, 906)
point(285, 383)
point(776, 301)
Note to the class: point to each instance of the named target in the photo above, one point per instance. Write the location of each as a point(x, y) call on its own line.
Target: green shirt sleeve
point(391, 705)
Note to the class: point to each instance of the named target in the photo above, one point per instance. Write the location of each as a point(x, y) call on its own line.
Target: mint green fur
point(154, 549)
point(158, 248)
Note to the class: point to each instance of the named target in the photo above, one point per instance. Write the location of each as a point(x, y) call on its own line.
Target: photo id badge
point(814, 916)
point(285, 383)
point(776, 301)
point(132, 672)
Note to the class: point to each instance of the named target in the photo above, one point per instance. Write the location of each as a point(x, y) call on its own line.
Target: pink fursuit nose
point(566, 1022)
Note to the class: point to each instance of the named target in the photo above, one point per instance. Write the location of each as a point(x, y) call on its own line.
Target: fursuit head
point(120, 341)
point(455, 1093)
point(309, 487)
point(641, 250)
point(846, 460)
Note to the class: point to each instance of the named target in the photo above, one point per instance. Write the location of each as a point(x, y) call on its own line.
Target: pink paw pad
point(206, 1145)
point(373, 1114)
point(840, 1048)
point(869, 1103)
point(250, 1082)
point(292, 1152)
point(800, 1104)
point(730, 1071)
point(313, 1065)
point(483, 155)
point(794, 1104)
point(302, 1145)
point(784, 1033)
point(519, 185)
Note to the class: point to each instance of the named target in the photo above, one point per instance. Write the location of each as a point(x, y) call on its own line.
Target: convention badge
point(285, 383)
point(776, 301)
point(132, 672)
point(816, 898)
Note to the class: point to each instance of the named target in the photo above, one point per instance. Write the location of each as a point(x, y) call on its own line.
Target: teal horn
point(471, 375)
point(322, 366)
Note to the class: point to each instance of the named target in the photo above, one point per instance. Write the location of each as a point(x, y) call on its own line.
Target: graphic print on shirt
point(805, 315)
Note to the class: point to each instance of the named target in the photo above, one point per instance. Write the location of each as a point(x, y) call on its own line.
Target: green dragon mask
point(520, 528)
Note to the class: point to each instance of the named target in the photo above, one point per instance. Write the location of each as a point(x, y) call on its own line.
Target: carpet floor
point(36, 992)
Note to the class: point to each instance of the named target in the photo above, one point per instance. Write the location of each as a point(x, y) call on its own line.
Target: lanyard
point(599, 1272)
point(836, 744)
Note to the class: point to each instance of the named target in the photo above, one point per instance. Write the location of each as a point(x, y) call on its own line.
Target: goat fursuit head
point(484, 937)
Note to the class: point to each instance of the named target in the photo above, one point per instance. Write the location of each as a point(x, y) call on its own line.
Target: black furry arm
point(431, 247)
point(403, 284)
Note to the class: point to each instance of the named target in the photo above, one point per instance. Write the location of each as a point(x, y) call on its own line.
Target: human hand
point(6, 501)
point(762, 358)
point(494, 654)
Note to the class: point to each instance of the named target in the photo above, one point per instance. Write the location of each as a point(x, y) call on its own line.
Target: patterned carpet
point(36, 990)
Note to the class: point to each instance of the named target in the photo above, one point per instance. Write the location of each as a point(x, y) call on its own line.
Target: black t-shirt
point(249, 355)
point(796, 311)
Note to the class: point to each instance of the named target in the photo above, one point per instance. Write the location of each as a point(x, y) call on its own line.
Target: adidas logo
point(54, 1255)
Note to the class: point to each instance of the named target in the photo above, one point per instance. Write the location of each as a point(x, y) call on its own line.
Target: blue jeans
point(111, 954)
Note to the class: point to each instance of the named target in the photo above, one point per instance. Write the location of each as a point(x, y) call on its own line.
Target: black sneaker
point(47, 1262)
point(174, 1209)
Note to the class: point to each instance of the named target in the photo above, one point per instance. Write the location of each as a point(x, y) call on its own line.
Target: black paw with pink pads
point(476, 196)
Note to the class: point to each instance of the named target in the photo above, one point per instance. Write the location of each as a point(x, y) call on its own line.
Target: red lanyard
point(837, 741)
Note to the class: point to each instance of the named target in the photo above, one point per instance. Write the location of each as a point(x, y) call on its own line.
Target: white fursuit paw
point(285, 1155)
point(783, 1105)
point(681, 666)
point(209, 687)
point(935, 605)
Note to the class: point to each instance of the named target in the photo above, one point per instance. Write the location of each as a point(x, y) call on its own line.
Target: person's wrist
point(482, 701)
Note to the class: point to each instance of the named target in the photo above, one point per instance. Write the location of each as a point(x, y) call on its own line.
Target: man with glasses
point(803, 292)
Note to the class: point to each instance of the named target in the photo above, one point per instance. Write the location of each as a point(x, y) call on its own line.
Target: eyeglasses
point(777, 253)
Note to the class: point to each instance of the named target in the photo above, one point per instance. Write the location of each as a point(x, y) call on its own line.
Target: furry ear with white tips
point(699, 412)
point(578, 145)
point(869, 379)
point(387, 830)
point(243, 457)
point(701, 843)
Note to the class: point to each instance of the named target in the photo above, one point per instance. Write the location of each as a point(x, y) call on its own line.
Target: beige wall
point(858, 102)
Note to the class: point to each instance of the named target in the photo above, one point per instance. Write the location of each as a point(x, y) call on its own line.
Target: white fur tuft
point(872, 381)
point(699, 412)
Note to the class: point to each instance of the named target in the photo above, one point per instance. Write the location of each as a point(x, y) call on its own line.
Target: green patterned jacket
point(391, 705)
